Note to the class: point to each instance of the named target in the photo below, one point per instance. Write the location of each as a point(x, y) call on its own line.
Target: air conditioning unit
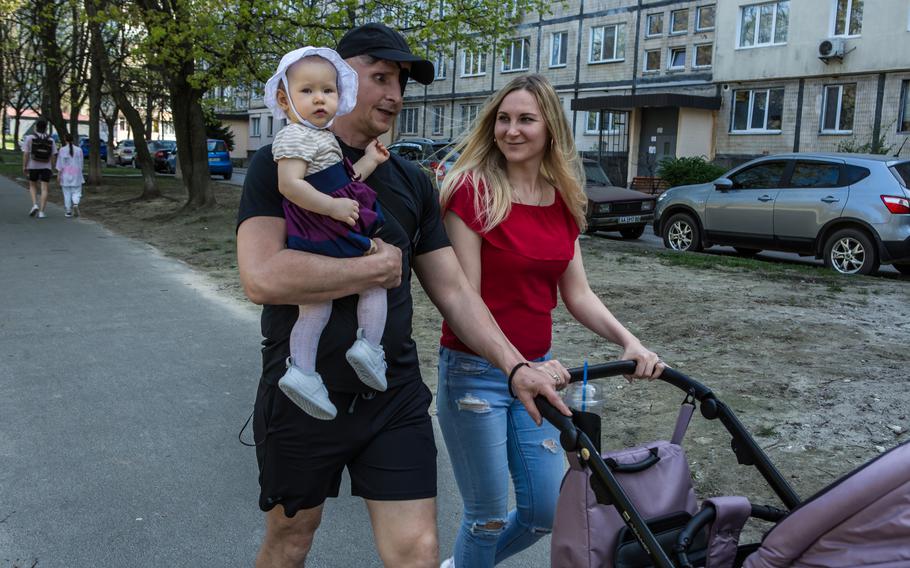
point(833, 48)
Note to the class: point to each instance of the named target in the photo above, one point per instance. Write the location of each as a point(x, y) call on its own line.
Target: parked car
point(851, 210)
point(124, 152)
point(429, 154)
point(219, 160)
point(160, 149)
point(439, 163)
point(612, 208)
point(86, 147)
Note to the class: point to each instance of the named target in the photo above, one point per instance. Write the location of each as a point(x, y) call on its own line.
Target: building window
point(440, 66)
point(468, 115)
point(270, 126)
point(838, 108)
point(652, 60)
point(848, 17)
point(559, 43)
point(704, 18)
point(655, 24)
point(407, 121)
point(122, 124)
point(254, 126)
point(677, 58)
point(473, 64)
point(703, 55)
point(607, 43)
point(439, 120)
point(758, 110)
point(612, 122)
point(903, 120)
point(764, 24)
point(517, 55)
point(679, 21)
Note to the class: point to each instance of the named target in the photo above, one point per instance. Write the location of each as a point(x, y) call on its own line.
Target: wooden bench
point(650, 185)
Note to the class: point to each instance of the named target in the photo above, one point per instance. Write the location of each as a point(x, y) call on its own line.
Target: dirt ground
point(815, 366)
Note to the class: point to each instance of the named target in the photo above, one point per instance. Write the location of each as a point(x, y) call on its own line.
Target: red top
point(521, 262)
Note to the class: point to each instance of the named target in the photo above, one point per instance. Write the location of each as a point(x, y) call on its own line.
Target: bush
point(685, 171)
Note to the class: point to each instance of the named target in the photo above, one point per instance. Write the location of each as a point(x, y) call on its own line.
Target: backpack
point(42, 148)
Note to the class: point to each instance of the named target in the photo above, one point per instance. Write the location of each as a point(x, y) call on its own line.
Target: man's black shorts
point(386, 442)
point(43, 174)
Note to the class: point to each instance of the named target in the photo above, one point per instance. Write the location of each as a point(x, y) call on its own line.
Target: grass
point(11, 166)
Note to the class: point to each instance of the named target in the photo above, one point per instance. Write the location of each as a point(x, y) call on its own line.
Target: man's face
point(378, 96)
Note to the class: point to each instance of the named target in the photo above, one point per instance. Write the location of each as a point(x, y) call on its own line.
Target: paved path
point(124, 382)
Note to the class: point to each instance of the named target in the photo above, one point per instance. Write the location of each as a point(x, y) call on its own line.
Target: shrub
point(685, 171)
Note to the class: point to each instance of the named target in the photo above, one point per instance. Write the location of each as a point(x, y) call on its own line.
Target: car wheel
point(742, 251)
point(902, 268)
point(228, 176)
point(681, 233)
point(850, 251)
point(632, 232)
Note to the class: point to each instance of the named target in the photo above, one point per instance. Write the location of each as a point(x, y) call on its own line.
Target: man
point(38, 151)
point(384, 439)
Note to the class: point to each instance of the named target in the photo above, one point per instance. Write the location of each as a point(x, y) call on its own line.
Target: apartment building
point(811, 76)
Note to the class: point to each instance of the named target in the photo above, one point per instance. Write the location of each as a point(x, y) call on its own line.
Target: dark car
point(86, 147)
point(160, 150)
point(429, 154)
point(612, 208)
point(219, 160)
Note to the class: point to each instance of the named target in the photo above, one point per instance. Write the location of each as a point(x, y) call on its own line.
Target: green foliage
point(216, 129)
point(685, 171)
point(871, 146)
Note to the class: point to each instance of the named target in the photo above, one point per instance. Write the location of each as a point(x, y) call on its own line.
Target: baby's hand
point(377, 152)
point(345, 210)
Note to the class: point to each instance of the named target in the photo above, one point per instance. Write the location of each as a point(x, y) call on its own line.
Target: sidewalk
point(125, 380)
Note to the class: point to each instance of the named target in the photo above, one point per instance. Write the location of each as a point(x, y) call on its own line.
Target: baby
point(329, 211)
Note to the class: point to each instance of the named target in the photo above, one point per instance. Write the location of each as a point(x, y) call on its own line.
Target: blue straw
point(584, 387)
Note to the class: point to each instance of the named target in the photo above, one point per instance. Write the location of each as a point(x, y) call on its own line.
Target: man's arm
point(462, 307)
point(273, 274)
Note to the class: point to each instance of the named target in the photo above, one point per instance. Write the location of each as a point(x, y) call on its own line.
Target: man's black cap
point(382, 42)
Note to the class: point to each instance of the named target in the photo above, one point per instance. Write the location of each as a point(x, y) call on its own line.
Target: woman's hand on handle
point(529, 382)
point(647, 364)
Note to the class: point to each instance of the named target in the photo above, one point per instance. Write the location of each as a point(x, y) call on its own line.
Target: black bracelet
point(512, 374)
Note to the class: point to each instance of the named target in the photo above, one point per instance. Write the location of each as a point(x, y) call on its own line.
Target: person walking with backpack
point(38, 153)
point(69, 174)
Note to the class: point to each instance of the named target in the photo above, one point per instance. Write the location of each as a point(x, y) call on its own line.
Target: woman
point(513, 208)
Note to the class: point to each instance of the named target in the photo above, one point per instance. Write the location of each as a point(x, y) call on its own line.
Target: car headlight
point(603, 208)
point(647, 205)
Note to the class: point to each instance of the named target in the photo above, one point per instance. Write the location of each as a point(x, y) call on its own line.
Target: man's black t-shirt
point(412, 223)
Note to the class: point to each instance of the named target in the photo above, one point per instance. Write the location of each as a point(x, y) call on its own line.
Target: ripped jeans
point(490, 435)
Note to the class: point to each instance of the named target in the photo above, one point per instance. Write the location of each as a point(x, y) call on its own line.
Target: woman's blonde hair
point(482, 164)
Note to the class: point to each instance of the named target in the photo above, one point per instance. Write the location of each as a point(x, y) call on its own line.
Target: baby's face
point(314, 90)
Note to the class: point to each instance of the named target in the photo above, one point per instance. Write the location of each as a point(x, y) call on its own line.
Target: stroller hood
point(863, 519)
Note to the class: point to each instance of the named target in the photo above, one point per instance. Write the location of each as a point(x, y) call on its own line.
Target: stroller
point(636, 508)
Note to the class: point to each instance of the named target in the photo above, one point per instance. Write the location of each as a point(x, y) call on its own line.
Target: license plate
point(213, 160)
point(629, 219)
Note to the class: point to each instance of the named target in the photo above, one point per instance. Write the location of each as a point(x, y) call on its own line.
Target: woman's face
point(520, 131)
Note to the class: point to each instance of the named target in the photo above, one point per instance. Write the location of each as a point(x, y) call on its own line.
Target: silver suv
point(852, 210)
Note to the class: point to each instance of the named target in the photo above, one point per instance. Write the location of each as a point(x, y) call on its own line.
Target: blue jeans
point(490, 435)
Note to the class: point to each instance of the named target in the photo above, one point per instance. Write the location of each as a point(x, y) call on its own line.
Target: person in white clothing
point(69, 174)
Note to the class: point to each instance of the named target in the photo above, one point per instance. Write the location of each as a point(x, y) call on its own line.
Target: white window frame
point(840, 101)
point(440, 66)
point(698, 9)
point(519, 47)
point(670, 50)
point(611, 120)
point(647, 69)
point(559, 49)
point(648, 24)
point(695, 47)
point(903, 112)
point(408, 115)
point(847, 18)
point(749, 129)
point(478, 62)
point(469, 112)
point(255, 127)
point(673, 14)
point(439, 120)
point(618, 33)
point(755, 44)
point(270, 126)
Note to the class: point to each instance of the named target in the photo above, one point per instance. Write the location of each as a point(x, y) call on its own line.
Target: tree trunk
point(16, 133)
point(94, 128)
point(192, 147)
point(3, 88)
point(150, 186)
point(50, 52)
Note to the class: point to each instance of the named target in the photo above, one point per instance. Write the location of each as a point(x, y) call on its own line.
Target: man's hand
point(344, 210)
point(528, 382)
point(390, 256)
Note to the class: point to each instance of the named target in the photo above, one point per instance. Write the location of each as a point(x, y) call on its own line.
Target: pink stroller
point(636, 508)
